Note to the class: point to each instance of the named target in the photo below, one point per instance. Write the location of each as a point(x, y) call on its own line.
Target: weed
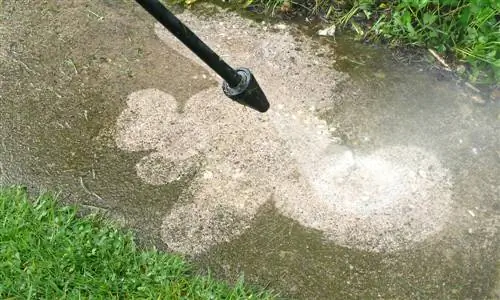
point(467, 30)
point(464, 31)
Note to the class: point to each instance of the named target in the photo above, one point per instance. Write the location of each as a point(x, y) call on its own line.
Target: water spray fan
point(239, 84)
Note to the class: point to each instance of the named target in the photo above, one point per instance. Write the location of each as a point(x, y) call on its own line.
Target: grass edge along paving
point(47, 251)
point(464, 33)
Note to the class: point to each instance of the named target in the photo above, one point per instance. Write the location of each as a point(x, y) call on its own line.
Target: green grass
point(48, 252)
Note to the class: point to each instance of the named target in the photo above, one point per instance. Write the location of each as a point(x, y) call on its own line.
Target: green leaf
point(406, 18)
point(422, 3)
point(471, 32)
point(433, 34)
point(464, 16)
point(441, 48)
point(429, 18)
point(449, 2)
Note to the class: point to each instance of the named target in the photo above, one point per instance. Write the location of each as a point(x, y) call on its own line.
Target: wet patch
point(58, 130)
point(385, 201)
point(382, 201)
point(65, 72)
point(221, 143)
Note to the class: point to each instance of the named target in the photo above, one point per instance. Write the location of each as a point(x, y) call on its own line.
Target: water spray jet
point(239, 84)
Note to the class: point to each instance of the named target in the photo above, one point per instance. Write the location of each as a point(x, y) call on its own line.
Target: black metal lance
point(239, 84)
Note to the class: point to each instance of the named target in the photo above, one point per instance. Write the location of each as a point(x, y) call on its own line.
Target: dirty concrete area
point(66, 70)
point(364, 180)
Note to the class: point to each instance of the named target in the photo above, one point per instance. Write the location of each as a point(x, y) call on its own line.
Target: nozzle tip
point(247, 92)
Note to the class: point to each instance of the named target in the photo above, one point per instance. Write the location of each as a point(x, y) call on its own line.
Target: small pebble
point(495, 95)
point(330, 31)
point(208, 175)
point(280, 26)
point(478, 100)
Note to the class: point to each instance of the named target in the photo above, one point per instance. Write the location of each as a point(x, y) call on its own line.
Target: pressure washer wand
point(239, 85)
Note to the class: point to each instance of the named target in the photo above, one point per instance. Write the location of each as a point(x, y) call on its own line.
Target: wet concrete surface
point(67, 71)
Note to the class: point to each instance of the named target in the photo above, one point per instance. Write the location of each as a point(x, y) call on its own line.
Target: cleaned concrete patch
point(224, 144)
point(382, 201)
